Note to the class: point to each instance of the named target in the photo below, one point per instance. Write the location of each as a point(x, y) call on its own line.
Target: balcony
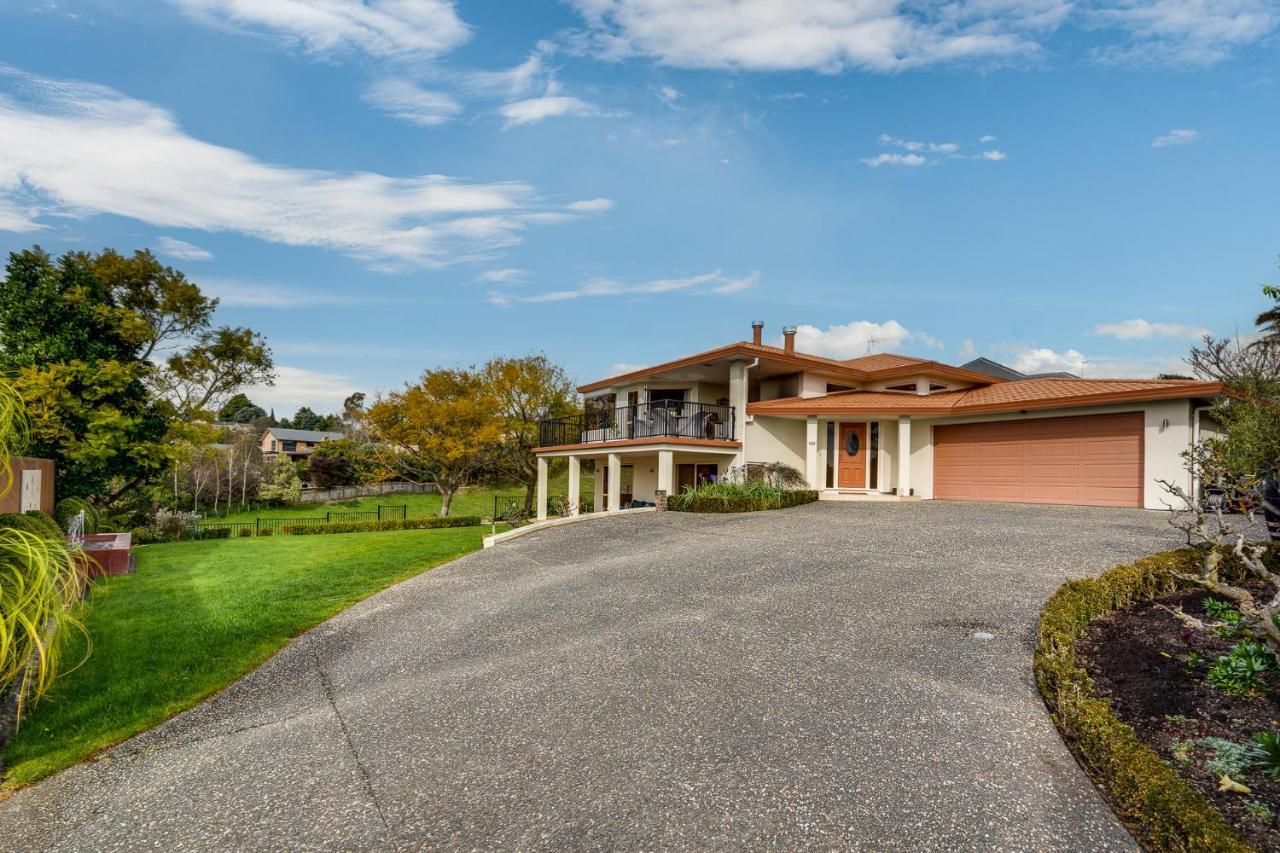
point(658, 420)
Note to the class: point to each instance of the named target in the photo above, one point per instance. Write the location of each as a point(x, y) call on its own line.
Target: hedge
point(428, 523)
point(1164, 811)
point(34, 521)
point(712, 504)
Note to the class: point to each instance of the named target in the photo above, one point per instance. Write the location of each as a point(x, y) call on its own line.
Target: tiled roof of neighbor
point(1001, 396)
point(303, 434)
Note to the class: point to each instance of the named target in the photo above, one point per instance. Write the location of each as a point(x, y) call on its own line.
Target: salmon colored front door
point(853, 457)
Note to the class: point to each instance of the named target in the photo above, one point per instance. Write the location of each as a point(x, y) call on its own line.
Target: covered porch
point(629, 476)
point(861, 455)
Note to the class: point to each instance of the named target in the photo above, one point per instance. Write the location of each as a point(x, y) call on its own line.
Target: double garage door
point(1094, 460)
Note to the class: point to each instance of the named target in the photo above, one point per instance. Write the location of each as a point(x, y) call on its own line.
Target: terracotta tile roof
point(883, 361)
point(1001, 396)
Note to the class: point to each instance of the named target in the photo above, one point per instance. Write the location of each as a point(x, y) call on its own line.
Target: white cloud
point(915, 145)
point(1178, 136)
point(669, 95)
point(968, 349)
point(993, 155)
point(181, 249)
point(828, 36)
point(591, 205)
point(620, 367)
point(986, 138)
point(534, 110)
point(858, 338)
point(507, 275)
point(1044, 360)
point(1185, 32)
point(410, 102)
point(76, 150)
point(889, 159)
point(714, 282)
point(1139, 329)
point(381, 28)
point(239, 293)
point(297, 386)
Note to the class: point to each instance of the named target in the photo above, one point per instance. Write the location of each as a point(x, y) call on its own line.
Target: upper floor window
point(290, 446)
point(832, 388)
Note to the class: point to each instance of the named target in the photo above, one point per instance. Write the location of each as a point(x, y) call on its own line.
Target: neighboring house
point(880, 425)
point(32, 485)
point(295, 443)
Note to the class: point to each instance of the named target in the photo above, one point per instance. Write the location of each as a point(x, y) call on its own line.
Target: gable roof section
point(880, 366)
point(999, 397)
point(314, 435)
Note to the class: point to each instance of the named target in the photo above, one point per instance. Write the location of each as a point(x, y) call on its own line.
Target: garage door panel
point(1094, 460)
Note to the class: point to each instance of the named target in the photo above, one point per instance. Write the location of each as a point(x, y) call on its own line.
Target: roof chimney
point(757, 332)
point(789, 339)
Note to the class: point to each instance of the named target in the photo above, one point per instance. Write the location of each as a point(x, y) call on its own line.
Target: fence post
point(257, 526)
point(326, 517)
point(379, 512)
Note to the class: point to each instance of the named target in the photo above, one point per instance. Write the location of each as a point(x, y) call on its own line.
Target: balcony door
point(852, 465)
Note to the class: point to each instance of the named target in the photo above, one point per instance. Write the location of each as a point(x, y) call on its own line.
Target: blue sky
point(385, 186)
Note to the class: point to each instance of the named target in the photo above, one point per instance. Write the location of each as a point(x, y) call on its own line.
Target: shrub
point(1266, 752)
point(747, 488)
point(429, 523)
point(1229, 758)
point(696, 500)
point(1216, 608)
point(32, 521)
point(68, 508)
point(1240, 670)
point(171, 524)
point(1165, 812)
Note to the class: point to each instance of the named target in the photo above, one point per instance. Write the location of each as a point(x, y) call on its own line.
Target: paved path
point(798, 678)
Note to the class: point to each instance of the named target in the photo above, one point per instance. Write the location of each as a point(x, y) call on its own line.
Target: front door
point(852, 473)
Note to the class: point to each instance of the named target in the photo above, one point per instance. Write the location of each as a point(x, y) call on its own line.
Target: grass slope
point(470, 501)
point(196, 616)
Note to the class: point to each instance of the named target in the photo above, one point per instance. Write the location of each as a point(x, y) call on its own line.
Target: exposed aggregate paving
point(798, 678)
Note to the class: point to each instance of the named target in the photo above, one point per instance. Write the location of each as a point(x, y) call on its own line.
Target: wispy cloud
point(380, 28)
point(533, 110)
point(914, 152)
point(297, 386)
point(859, 337)
point(75, 150)
point(1138, 329)
point(1178, 136)
point(714, 282)
point(242, 293)
point(1180, 32)
point(410, 102)
point(181, 249)
point(506, 275)
point(669, 95)
point(590, 205)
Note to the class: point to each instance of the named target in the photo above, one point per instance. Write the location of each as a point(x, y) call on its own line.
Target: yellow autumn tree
point(442, 429)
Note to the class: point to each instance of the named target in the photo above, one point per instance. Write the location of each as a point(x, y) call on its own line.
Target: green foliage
point(198, 615)
point(1165, 812)
point(33, 521)
point(340, 463)
point(282, 484)
point(68, 508)
point(1222, 611)
point(1260, 810)
point(385, 524)
point(1229, 758)
point(1240, 671)
point(1266, 752)
point(748, 489)
point(305, 418)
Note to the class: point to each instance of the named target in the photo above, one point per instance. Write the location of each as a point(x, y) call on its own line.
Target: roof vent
point(757, 332)
point(789, 339)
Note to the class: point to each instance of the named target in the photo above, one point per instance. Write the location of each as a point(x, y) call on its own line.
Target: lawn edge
point(1159, 807)
point(8, 789)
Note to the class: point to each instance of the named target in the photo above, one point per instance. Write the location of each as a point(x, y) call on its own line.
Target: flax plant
point(41, 582)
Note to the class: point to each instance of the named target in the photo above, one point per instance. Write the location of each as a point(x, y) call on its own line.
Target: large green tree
point(526, 389)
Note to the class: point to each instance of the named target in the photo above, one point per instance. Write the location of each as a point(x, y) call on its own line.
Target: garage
point(1093, 460)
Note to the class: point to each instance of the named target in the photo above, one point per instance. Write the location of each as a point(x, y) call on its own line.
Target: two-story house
point(888, 426)
point(295, 443)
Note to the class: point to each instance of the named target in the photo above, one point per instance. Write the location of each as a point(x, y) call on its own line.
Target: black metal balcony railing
point(659, 419)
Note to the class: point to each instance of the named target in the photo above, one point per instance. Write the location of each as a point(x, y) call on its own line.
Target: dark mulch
point(1142, 660)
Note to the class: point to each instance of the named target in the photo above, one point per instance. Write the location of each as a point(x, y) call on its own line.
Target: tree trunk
point(530, 491)
point(446, 499)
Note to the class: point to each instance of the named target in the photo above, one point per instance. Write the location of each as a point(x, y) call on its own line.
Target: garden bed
point(1157, 673)
point(694, 502)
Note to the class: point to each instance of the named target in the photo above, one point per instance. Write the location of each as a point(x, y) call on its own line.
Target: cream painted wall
point(776, 440)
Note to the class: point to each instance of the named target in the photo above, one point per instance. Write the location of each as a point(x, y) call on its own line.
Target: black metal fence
point(659, 419)
point(341, 493)
point(271, 525)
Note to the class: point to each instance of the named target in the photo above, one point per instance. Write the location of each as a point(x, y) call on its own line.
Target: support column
point(811, 452)
point(904, 456)
point(882, 460)
point(575, 485)
point(666, 471)
point(542, 488)
point(738, 399)
point(615, 482)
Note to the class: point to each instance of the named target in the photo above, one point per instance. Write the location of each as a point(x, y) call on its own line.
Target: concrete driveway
point(807, 677)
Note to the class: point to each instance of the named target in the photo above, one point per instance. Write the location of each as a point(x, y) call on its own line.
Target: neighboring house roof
point(312, 435)
point(1000, 397)
point(877, 366)
point(1003, 371)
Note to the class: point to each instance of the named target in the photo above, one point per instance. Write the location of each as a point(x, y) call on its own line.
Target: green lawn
point(196, 616)
point(470, 501)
